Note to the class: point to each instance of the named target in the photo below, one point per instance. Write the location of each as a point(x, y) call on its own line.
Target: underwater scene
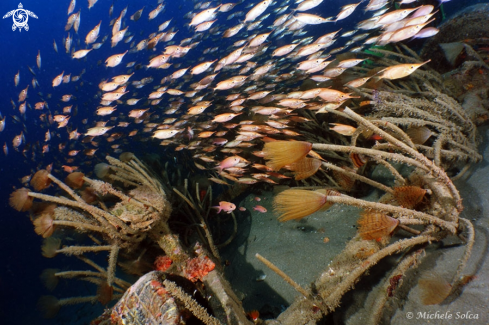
point(279, 162)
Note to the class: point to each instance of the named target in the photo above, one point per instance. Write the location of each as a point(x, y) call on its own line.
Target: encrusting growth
point(135, 222)
point(124, 226)
point(142, 213)
point(415, 201)
point(413, 124)
point(191, 304)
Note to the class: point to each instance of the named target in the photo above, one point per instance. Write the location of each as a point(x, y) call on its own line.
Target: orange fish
point(93, 34)
point(166, 134)
point(60, 118)
point(115, 59)
point(73, 153)
point(257, 10)
point(17, 78)
point(17, 141)
point(38, 59)
point(69, 169)
point(254, 315)
point(230, 162)
point(23, 94)
point(58, 79)
point(399, 71)
point(259, 208)
point(98, 130)
point(205, 134)
point(343, 129)
point(228, 207)
point(2, 123)
point(225, 117)
point(80, 54)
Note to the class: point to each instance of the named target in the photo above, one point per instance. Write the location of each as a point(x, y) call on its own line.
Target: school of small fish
point(223, 105)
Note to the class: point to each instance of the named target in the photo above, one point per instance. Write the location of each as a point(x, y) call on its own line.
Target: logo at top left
point(20, 17)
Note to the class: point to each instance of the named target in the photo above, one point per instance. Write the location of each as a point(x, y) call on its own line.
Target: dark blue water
point(20, 253)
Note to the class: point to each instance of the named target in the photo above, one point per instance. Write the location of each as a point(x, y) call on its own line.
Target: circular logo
point(20, 18)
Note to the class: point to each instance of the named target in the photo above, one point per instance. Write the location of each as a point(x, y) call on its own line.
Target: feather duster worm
point(408, 196)
point(346, 182)
point(50, 246)
point(49, 306)
point(104, 293)
point(126, 156)
point(419, 134)
point(305, 167)
point(101, 170)
point(138, 266)
point(297, 204)
point(75, 180)
point(434, 289)
point(375, 225)
point(89, 195)
point(358, 160)
point(40, 180)
point(20, 199)
point(281, 153)
point(49, 278)
point(44, 224)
